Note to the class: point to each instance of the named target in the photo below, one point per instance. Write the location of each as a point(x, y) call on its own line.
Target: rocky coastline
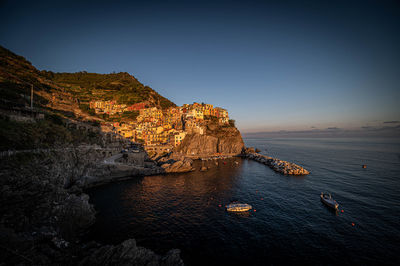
point(104, 174)
point(277, 165)
point(45, 209)
point(45, 213)
point(216, 142)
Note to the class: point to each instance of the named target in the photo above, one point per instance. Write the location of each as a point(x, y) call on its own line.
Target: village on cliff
point(160, 130)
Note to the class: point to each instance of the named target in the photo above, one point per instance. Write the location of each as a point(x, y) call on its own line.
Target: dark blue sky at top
point(274, 65)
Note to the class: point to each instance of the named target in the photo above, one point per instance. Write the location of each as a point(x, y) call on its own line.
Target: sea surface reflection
point(288, 224)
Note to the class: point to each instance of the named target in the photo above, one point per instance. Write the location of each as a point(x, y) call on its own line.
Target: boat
point(328, 201)
point(238, 207)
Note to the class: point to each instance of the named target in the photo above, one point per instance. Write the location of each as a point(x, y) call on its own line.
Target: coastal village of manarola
point(199, 132)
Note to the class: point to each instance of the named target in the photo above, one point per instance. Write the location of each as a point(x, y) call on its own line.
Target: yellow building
point(147, 112)
point(223, 120)
point(158, 114)
point(139, 134)
point(213, 112)
point(207, 109)
point(194, 105)
point(178, 138)
point(159, 130)
point(163, 137)
point(127, 133)
point(196, 113)
point(221, 112)
point(152, 113)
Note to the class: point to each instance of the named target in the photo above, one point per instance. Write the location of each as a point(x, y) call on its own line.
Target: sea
point(288, 223)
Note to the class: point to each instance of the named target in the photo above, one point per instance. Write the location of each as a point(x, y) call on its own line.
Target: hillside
point(45, 151)
point(122, 87)
point(17, 75)
point(58, 98)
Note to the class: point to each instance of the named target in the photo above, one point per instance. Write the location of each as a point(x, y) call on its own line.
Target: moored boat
point(238, 207)
point(328, 201)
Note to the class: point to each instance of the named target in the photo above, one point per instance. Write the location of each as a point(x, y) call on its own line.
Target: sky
point(275, 65)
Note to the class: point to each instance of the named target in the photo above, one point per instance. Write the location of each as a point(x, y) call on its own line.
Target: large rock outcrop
point(216, 139)
point(180, 166)
point(107, 173)
point(128, 253)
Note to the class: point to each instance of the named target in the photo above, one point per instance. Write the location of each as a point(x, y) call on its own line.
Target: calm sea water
point(289, 223)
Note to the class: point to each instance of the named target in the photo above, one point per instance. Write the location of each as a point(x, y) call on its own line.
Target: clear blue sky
point(274, 65)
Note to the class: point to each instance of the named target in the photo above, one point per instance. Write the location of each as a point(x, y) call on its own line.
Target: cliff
point(216, 138)
point(47, 157)
point(43, 214)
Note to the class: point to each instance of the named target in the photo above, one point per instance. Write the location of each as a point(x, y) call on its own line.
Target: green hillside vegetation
point(122, 87)
point(17, 75)
point(56, 95)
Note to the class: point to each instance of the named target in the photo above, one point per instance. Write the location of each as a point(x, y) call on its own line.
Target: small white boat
point(328, 201)
point(238, 207)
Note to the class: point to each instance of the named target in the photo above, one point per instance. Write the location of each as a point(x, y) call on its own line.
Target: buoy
point(342, 210)
point(353, 224)
point(255, 210)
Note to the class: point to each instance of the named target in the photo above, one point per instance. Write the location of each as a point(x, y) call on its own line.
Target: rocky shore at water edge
point(175, 164)
point(277, 165)
point(44, 213)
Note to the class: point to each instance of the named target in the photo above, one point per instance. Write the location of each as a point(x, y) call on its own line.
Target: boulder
point(128, 253)
point(166, 165)
point(184, 165)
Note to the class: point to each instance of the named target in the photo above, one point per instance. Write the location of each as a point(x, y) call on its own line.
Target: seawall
point(277, 165)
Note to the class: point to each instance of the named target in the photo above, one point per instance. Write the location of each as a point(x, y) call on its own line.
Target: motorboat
point(238, 207)
point(329, 201)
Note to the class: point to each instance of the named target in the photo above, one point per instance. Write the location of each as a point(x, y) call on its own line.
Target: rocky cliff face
point(216, 139)
point(43, 213)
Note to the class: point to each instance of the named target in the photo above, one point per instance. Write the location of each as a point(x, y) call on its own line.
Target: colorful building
point(179, 137)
